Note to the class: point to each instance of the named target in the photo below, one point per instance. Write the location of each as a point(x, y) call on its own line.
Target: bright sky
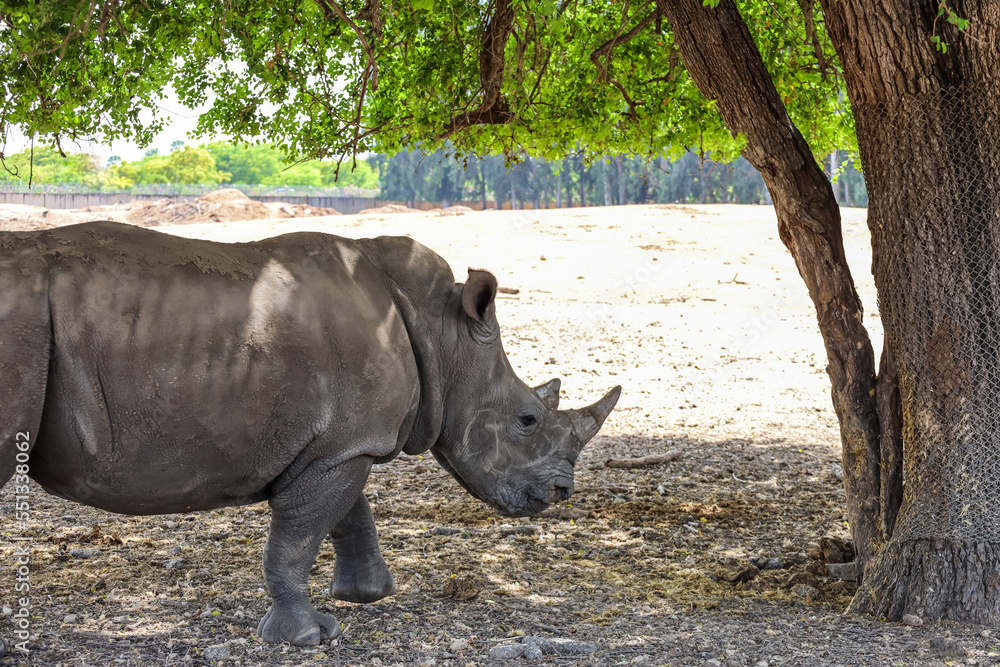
point(181, 123)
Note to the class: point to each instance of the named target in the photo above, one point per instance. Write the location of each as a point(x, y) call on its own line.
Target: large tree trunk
point(929, 134)
point(725, 64)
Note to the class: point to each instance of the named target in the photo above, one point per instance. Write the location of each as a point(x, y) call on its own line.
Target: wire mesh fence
point(936, 237)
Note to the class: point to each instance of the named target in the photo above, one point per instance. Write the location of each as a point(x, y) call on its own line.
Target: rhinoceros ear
point(478, 294)
point(549, 393)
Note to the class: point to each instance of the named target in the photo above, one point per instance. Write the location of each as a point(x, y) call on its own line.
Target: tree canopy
point(326, 78)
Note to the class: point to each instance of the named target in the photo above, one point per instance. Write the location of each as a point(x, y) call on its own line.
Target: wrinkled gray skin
point(155, 374)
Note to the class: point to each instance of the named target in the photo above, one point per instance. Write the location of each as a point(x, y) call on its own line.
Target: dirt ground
point(709, 559)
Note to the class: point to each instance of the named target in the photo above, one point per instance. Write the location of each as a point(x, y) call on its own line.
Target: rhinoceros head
point(508, 444)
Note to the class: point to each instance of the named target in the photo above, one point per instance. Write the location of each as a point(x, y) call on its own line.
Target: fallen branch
point(508, 290)
point(643, 462)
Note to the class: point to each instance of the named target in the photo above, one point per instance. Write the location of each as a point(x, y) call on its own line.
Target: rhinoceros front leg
point(302, 514)
point(360, 573)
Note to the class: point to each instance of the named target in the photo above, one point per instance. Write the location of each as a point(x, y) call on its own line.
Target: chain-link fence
point(935, 221)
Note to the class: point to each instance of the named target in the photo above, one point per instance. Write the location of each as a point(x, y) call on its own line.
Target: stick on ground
point(642, 462)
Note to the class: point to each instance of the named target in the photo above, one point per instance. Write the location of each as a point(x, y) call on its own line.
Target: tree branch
point(812, 35)
point(493, 51)
point(498, 114)
point(371, 12)
point(332, 6)
point(605, 49)
point(493, 109)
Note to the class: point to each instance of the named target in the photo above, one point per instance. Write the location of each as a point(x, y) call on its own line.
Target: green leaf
point(279, 72)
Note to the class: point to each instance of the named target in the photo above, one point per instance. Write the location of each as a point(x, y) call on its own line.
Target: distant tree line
point(412, 177)
point(215, 164)
point(442, 178)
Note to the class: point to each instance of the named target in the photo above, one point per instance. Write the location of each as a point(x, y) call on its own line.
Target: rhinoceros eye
point(527, 421)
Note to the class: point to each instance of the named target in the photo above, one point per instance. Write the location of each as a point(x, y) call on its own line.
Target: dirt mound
point(455, 210)
point(225, 196)
point(21, 218)
point(219, 206)
point(388, 208)
point(7, 225)
point(224, 205)
point(282, 210)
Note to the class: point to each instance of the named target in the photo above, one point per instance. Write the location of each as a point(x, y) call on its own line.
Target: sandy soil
point(710, 559)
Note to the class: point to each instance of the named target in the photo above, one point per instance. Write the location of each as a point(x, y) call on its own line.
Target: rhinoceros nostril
point(563, 492)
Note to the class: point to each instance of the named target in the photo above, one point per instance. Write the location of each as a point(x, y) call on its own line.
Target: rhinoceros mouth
point(528, 506)
point(532, 508)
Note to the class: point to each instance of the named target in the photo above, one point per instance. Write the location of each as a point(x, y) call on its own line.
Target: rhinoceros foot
point(363, 583)
point(299, 627)
point(359, 573)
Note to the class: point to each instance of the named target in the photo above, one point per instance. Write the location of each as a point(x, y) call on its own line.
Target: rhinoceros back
point(188, 374)
point(25, 344)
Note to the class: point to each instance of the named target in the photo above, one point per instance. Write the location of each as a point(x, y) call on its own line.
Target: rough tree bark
point(928, 129)
point(891, 429)
point(724, 63)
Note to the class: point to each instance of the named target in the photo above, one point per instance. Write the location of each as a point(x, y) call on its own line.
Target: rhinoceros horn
point(549, 393)
point(588, 421)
